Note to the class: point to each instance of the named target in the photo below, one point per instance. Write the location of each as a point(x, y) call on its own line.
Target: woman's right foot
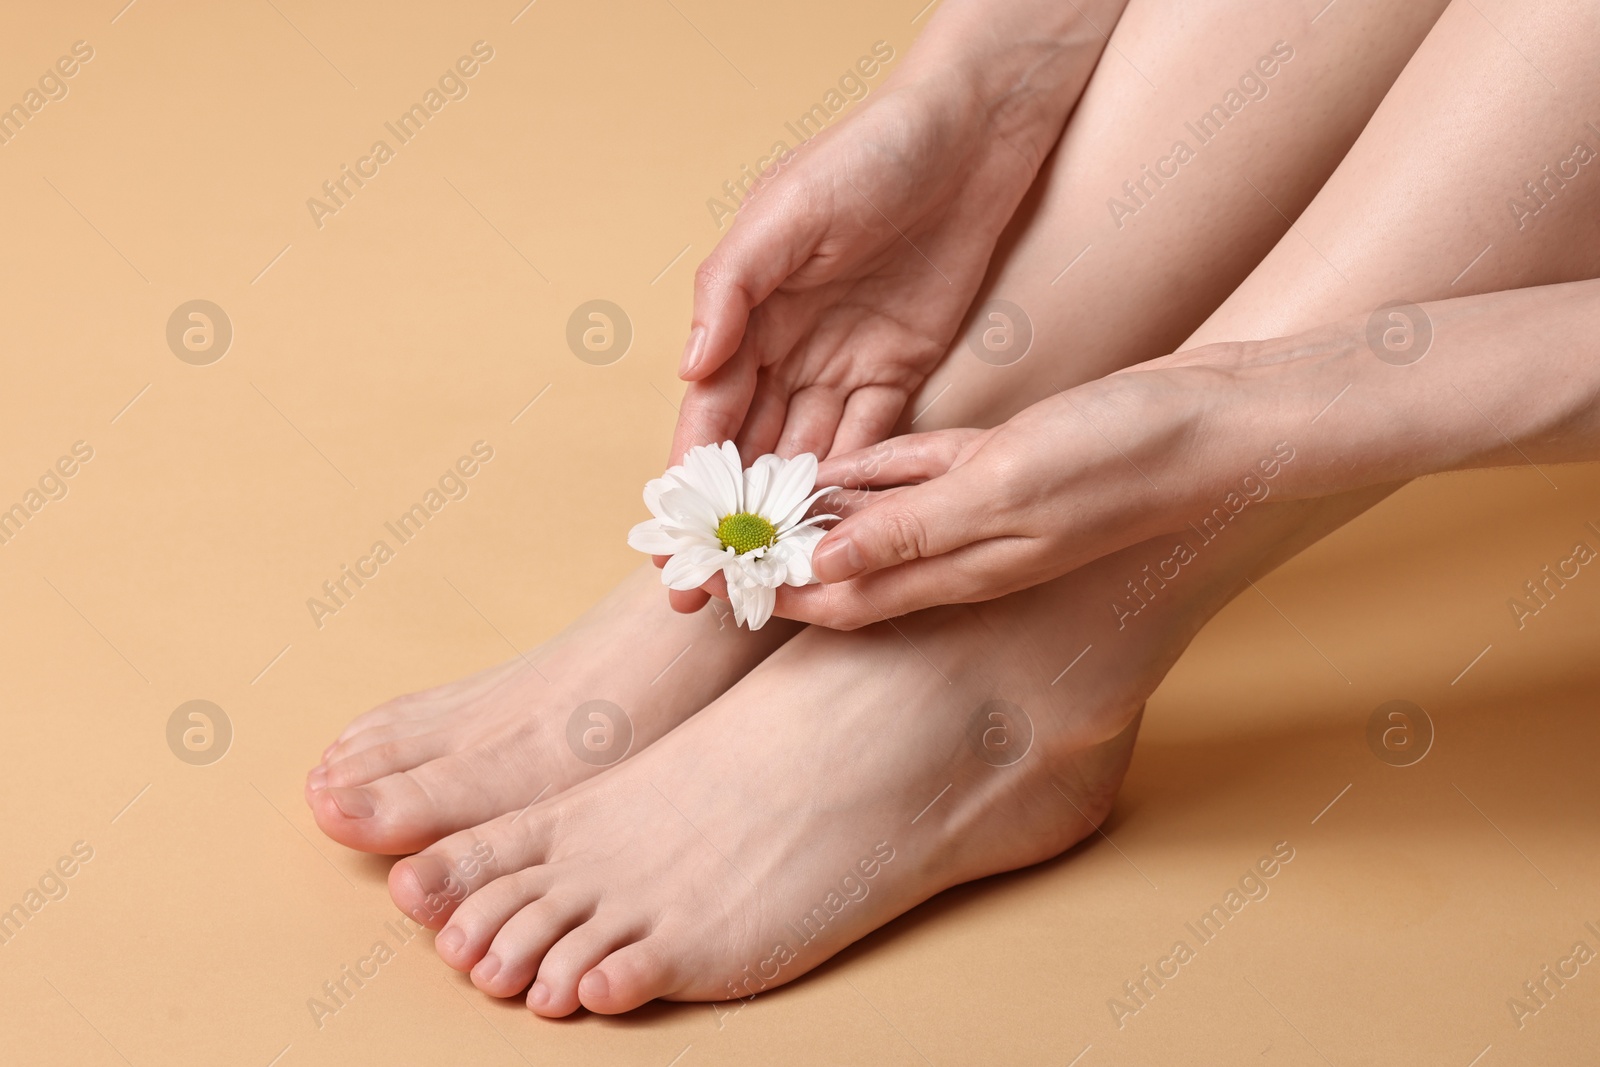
point(427, 764)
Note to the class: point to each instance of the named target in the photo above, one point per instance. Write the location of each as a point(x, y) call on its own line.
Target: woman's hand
point(847, 273)
point(1185, 444)
point(964, 515)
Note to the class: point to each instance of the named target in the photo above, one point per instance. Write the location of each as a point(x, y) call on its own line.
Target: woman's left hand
point(965, 515)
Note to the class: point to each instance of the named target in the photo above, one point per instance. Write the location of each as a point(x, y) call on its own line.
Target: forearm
point(1026, 61)
point(1508, 378)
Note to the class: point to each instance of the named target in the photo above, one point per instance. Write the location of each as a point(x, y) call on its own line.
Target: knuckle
point(905, 535)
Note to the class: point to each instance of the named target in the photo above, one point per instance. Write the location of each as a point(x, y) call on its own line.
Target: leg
point(422, 766)
point(859, 726)
point(1463, 157)
point(1115, 264)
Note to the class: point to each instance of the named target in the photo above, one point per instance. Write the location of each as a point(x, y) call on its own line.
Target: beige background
point(426, 315)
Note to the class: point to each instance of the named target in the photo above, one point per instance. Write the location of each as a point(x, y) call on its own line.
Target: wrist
point(1025, 61)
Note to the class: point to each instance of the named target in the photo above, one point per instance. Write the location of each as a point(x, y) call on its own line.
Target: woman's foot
point(426, 764)
point(842, 782)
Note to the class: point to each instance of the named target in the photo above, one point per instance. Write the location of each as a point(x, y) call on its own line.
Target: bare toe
point(555, 993)
point(634, 974)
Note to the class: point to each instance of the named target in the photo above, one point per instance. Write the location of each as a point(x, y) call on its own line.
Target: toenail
point(353, 803)
point(328, 751)
point(595, 986)
point(539, 995)
point(486, 969)
point(318, 778)
point(450, 941)
point(430, 874)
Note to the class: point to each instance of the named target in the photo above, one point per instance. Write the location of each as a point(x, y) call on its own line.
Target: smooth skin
point(670, 875)
point(422, 766)
point(848, 269)
point(1508, 378)
point(1436, 181)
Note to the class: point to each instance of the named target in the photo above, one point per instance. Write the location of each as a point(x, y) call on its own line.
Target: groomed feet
point(427, 764)
point(842, 782)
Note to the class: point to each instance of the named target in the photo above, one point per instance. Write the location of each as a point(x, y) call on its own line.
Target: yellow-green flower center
point(744, 532)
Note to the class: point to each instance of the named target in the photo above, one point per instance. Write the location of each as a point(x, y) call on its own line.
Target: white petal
point(807, 524)
point(798, 512)
point(794, 554)
point(691, 568)
point(758, 482)
point(652, 494)
point(690, 510)
point(790, 487)
point(709, 471)
point(768, 571)
point(759, 607)
point(752, 607)
point(735, 466)
point(648, 536)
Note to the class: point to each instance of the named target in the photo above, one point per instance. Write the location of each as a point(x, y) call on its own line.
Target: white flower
point(712, 515)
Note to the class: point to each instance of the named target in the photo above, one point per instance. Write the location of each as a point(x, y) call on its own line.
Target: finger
point(687, 601)
point(978, 571)
point(869, 416)
point(921, 521)
point(659, 561)
point(813, 416)
point(768, 242)
point(847, 502)
point(713, 410)
point(899, 460)
point(764, 422)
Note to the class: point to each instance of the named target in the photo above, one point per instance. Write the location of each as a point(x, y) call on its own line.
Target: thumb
point(912, 523)
point(769, 241)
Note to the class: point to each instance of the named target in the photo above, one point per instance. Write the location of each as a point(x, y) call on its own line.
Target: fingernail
point(352, 803)
point(486, 969)
point(837, 560)
point(539, 995)
point(692, 351)
point(318, 778)
point(450, 941)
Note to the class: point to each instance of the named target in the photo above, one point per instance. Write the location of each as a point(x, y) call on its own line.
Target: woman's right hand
point(846, 275)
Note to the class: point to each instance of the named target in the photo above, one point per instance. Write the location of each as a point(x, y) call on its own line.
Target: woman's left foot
point(844, 781)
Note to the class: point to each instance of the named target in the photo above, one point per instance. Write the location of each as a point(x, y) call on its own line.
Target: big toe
point(410, 810)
